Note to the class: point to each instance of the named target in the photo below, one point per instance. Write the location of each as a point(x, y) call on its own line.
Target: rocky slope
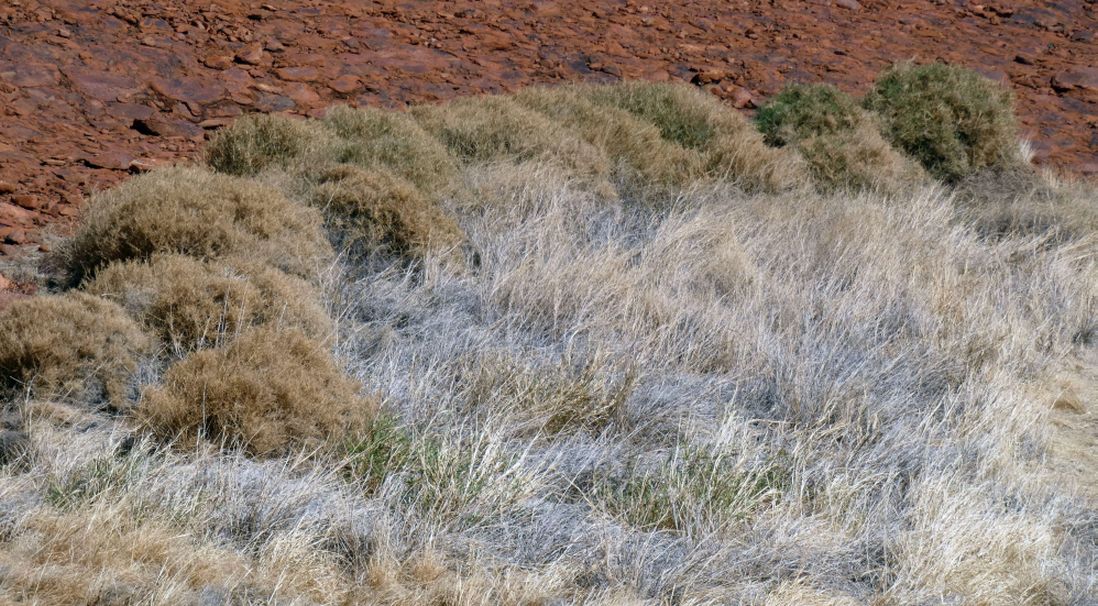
point(93, 90)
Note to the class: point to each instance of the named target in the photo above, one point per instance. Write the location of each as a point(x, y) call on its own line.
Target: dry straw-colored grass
point(193, 212)
point(376, 209)
point(752, 392)
point(70, 346)
point(268, 391)
point(258, 141)
point(192, 304)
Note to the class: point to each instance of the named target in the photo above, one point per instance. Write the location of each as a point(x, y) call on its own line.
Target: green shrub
point(369, 209)
point(393, 140)
point(72, 345)
point(194, 212)
point(731, 147)
point(193, 304)
point(801, 111)
point(256, 141)
point(838, 139)
point(269, 391)
point(952, 120)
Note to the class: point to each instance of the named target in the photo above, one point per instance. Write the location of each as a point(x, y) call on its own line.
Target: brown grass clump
point(498, 129)
point(74, 345)
point(694, 119)
point(393, 140)
point(636, 147)
point(374, 208)
point(268, 391)
point(1019, 200)
point(193, 304)
point(193, 212)
point(257, 141)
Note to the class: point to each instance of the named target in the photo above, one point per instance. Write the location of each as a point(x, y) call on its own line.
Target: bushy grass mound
point(370, 209)
point(838, 139)
point(193, 212)
point(498, 129)
point(732, 148)
point(192, 304)
point(636, 148)
point(74, 346)
point(951, 119)
point(269, 391)
point(257, 141)
point(393, 140)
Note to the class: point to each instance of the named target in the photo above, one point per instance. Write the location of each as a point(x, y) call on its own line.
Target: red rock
point(114, 160)
point(218, 61)
point(16, 236)
point(167, 127)
point(26, 201)
point(189, 90)
point(345, 84)
point(104, 86)
point(853, 5)
point(298, 74)
point(6, 188)
point(130, 111)
point(6, 284)
point(302, 94)
point(1076, 78)
point(9, 250)
point(250, 55)
point(144, 165)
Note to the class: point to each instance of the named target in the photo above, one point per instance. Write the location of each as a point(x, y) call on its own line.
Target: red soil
point(93, 90)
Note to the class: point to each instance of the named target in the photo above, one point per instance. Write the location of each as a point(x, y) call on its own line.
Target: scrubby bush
point(257, 141)
point(269, 391)
point(952, 120)
point(73, 345)
point(694, 119)
point(498, 129)
point(635, 147)
point(393, 140)
point(193, 212)
point(193, 304)
point(374, 208)
point(838, 139)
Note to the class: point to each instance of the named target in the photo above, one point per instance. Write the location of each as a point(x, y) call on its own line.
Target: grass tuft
point(193, 212)
point(951, 119)
point(193, 304)
point(71, 346)
point(269, 391)
point(257, 141)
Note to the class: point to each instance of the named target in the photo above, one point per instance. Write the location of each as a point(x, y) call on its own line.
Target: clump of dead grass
point(193, 212)
point(193, 304)
point(391, 140)
point(733, 150)
point(269, 391)
point(499, 129)
point(257, 141)
point(951, 119)
point(838, 139)
point(375, 209)
point(73, 346)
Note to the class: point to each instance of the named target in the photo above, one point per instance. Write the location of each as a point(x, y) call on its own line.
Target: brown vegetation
point(269, 391)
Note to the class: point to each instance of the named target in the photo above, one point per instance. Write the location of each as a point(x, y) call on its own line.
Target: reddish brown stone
point(114, 160)
point(167, 127)
point(298, 74)
point(192, 90)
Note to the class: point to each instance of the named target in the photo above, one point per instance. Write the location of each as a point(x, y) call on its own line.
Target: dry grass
point(372, 209)
point(268, 391)
point(730, 397)
point(192, 304)
point(393, 141)
point(951, 119)
point(733, 150)
point(839, 140)
point(193, 212)
point(70, 346)
point(258, 141)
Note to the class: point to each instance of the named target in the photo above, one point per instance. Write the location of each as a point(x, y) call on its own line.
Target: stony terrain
point(92, 91)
